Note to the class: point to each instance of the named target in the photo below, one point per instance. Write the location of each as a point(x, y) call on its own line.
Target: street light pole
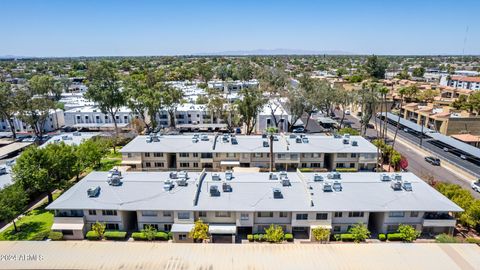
point(421, 135)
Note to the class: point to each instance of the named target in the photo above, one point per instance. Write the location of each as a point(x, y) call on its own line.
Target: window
point(147, 164)
point(293, 156)
point(322, 216)
point(340, 165)
point(337, 228)
point(302, 216)
point(184, 164)
point(231, 155)
point(145, 226)
point(67, 232)
point(396, 214)
point(195, 164)
point(183, 215)
point(92, 212)
point(353, 155)
point(338, 214)
point(304, 165)
point(341, 155)
point(265, 214)
point(283, 214)
point(129, 155)
point(158, 154)
point(244, 216)
point(352, 165)
point(184, 155)
point(109, 212)
point(182, 237)
point(111, 226)
point(195, 154)
point(222, 214)
point(414, 214)
point(159, 164)
point(315, 165)
point(206, 155)
point(257, 155)
point(392, 228)
point(147, 154)
point(355, 214)
point(167, 227)
point(167, 213)
point(202, 214)
point(148, 213)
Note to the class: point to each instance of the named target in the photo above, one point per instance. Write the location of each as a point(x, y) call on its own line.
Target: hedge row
point(115, 235)
point(258, 237)
point(395, 237)
point(92, 235)
point(55, 236)
point(140, 236)
point(382, 237)
point(346, 170)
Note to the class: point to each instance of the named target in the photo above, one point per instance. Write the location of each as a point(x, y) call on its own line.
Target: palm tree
point(402, 93)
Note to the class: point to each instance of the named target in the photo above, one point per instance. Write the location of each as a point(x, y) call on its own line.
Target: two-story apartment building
point(222, 152)
point(238, 203)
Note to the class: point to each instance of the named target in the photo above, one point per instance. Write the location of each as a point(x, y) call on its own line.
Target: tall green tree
point(8, 106)
point(13, 201)
point(171, 98)
point(249, 106)
point(375, 67)
point(104, 89)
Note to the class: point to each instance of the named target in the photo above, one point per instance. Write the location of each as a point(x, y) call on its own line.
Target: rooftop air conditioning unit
point(283, 174)
point(407, 186)
point(264, 136)
point(266, 144)
point(226, 187)
point(305, 140)
point(228, 175)
point(354, 143)
point(327, 187)
point(182, 182)
point(3, 170)
point(273, 176)
point(93, 191)
point(396, 185)
point(277, 193)
point(183, 174)
point(114, 172)
point(298, 140)
point(346, 135)
point(275, 138)
point(317, 177)
point(336, 175)
point(204, 137)
point(168, 185)
point(285, 182)
point(214, 192)
point(76, 133)
point(346, 141)
point(216, 177)
point(397, 176)
point(173, 175)
point(234, 140)
point(148, 139)
point(384, 177)
point(337, 186)
point(225, 138)
point(337, 136)
point(194, 140)
point(292, 136)
point(67, 138)
point(115, 180)
point(196, 136)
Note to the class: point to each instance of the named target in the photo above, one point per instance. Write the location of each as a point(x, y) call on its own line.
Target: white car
point(476, 185)
point(347, 112)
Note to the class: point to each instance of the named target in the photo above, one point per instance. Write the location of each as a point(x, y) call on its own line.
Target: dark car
point(433, 160)
point(299, 130)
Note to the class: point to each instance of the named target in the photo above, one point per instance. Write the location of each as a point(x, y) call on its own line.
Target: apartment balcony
point(438, 220)
point(206, 160)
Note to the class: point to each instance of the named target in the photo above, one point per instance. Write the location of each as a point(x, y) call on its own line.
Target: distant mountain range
point(278, 52)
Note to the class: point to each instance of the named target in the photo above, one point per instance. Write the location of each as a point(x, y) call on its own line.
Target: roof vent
point(216, 177)
point(292, 136)
point(337, 186)
point(346, 141)
point(225, 138)
point(336, 175)
point(183, 174)
point(168, 185)
point(204, 137)
point(298, 140)
point(354, 143)
point(396, 185)
point(228, 175)
point(277, 193)
point(234, 140)
point(265, 144)
point(346, 135)
point(264, 136)
point(317, 177)
point(182, 182)
point(173, 175)
point(194, 140)
point(327, 187)
point(93, 191)
point(226, 187)
point(305, 140)
point(275, 138)
point(273, 176)
point(148, 139)
point(384, 177)
point(407, 186)
point(115, 180)
point(397, 176)
point(214, 192)
point(285, 181)
point(113, 172)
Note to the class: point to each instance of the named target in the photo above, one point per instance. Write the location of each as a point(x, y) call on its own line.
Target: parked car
point(370, 126)
point(347, 112)
point(433, 160)
point(463, 157)
point(299, 130)
point(476, 185)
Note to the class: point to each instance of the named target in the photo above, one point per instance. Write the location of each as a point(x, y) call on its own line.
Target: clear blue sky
point(141, 27)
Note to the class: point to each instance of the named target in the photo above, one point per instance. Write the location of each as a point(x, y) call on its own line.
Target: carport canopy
point(67, 224)
point(182, 228)
point(222, 229)
point(229, 162)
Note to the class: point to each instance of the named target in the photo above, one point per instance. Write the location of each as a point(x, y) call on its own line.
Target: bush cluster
point(115, 235)
point(92, 235)
point(288, 237)
point(162, 236)
point(55, 236)
point(346, 170)
point(382, 237)
point(40, 236)
point(395, 237)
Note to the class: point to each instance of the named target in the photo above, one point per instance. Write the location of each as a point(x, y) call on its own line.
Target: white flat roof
point(222, 229)
point(178, 227)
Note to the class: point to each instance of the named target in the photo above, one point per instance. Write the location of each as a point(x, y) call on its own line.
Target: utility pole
point(421, 134)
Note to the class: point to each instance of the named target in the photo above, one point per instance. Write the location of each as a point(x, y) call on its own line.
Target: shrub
point(321, 234)
point(337, 237)
point(347, 237)
point(288, 237)
point(382, 237)
point(445, 238)
point(274, 234)
point(163, 236)
point(92, 235)
point(250, 237)
point(346, 170)
point(258, 237)
point(409, 233)
point(139, 236)
point(306, 170)
point(55, 236)
point(40, 236)
point(473, 240)
point(115, 235)
point(170, 235)
point(359, 232)
point(395, 237)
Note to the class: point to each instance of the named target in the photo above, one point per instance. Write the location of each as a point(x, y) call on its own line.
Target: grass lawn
point(35, 225)
point(110, 160)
